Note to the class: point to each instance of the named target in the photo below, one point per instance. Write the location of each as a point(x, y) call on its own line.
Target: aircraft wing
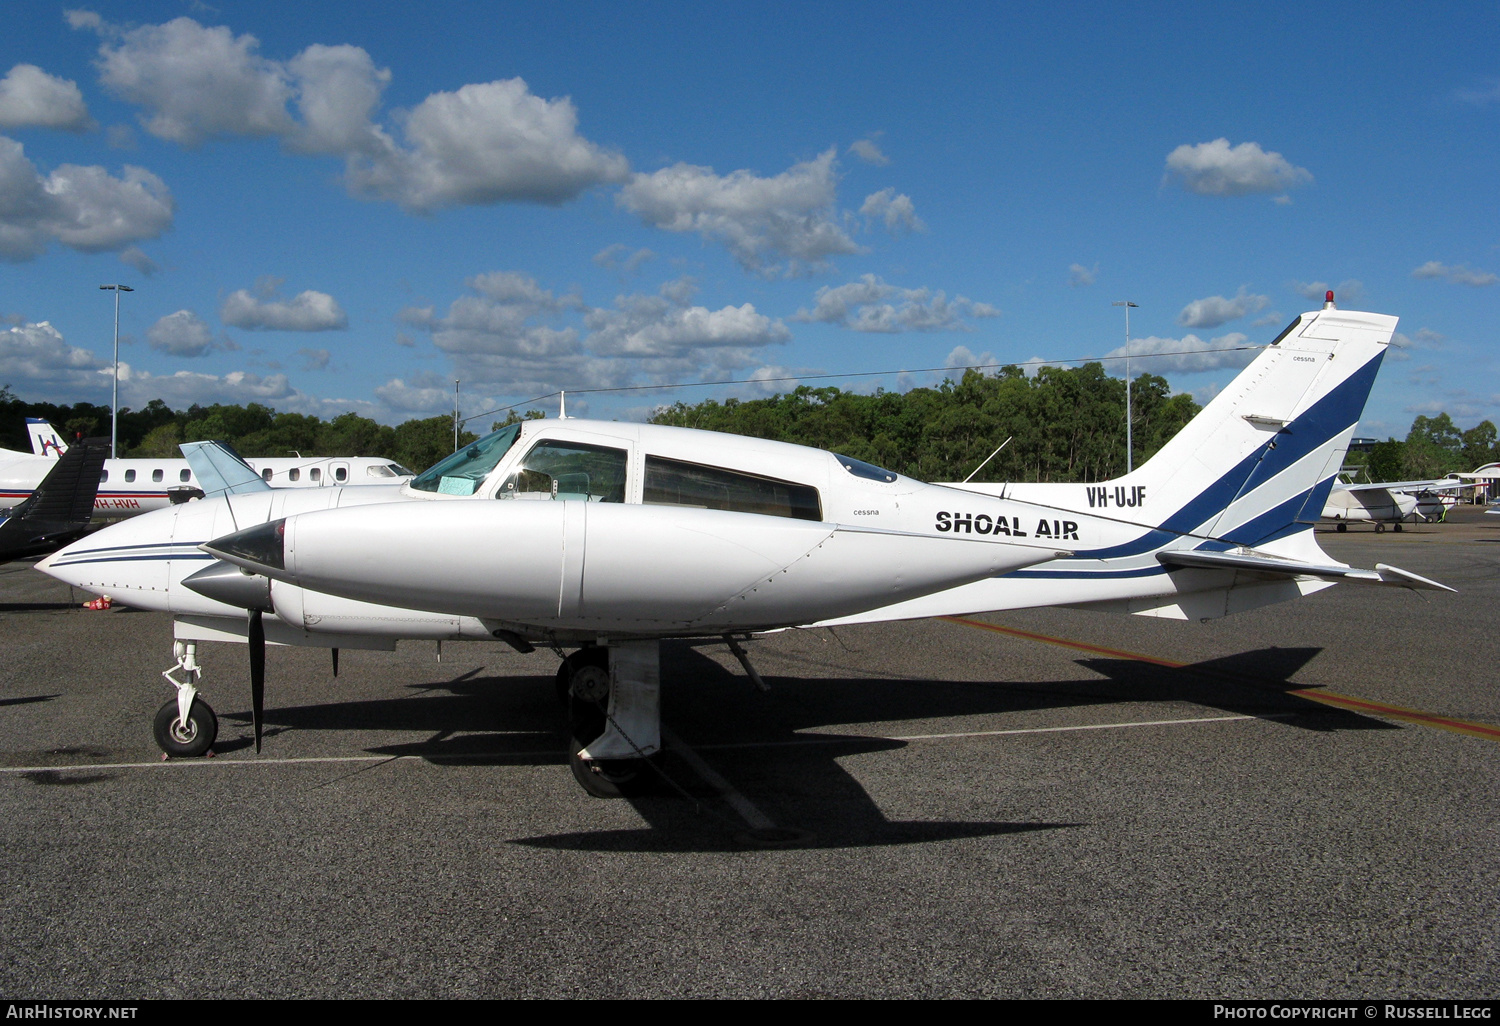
point(220, 470)
point(1441, 485)
point(1272, 567)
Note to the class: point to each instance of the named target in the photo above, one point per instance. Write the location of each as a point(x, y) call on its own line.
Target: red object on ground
point(102, 602)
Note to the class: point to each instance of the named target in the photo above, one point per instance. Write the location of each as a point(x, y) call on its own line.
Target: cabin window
point(341, 473)
point(265, 475)
point(464, 471)
point(674, 483)
point(383, 471)
point(568, 470)
point(184, 476)
point(129, 476)
point(294, 474)
point(157, 475)
point(315, 474)
point(103, 476)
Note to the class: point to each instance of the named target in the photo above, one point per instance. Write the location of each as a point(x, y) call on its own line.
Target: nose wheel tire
point(185, 740)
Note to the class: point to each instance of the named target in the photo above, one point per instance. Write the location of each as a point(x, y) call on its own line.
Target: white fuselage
point(129, 487)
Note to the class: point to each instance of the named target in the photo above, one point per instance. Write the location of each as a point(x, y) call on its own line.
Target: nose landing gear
point(185, 727)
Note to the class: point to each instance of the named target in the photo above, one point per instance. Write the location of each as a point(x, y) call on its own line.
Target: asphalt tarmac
point(1298, 801)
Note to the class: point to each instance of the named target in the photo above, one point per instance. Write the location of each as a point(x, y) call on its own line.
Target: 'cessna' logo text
point(983, 523)
point(1119, 495)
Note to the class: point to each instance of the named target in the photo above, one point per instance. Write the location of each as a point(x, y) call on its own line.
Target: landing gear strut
point(613, 695)
point(185, 727)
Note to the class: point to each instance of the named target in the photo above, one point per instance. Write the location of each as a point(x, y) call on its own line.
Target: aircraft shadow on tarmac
point(780, 760)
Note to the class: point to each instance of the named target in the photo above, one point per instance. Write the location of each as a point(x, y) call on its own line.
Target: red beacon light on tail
point(1328, 301)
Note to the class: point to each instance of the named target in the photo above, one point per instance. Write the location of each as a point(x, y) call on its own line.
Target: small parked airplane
point(59, 510)
point(1392, 502)
point(128, 487)
point(607, 537)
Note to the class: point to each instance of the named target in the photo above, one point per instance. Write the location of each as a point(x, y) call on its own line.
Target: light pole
point(1129, 447)
point(114, 394)
point(455, 415)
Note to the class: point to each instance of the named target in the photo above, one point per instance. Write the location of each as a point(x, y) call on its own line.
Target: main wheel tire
point(608, 778)
point(190, 740)
point(1398, 528)
point(587, 695)
point(1379, 528)
point(594, 655)
point(1341, 528)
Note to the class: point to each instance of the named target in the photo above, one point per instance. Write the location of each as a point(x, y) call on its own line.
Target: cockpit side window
point(674, 483)
point(556, 469)
point(464, 471)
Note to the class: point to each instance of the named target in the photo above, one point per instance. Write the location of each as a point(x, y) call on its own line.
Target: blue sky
point(329, 207)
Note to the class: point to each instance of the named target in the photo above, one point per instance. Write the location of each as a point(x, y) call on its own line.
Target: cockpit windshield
point(464, 471)
point(869, 471)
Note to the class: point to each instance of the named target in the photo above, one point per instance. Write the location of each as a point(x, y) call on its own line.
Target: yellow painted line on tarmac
point(1470, 728)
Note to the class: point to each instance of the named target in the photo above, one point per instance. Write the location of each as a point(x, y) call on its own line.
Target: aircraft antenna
point(562, 405)
point(988, 458)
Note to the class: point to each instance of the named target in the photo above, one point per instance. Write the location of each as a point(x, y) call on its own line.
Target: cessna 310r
point(645, 532)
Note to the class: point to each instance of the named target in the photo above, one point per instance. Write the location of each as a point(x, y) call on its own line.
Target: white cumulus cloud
point(1185, 355)
point(1213, 311)
point(483, 143)
point(653, 326)
point(1459, 274)
point(85, 208)
point(184, 333)
point(868, 151)
point(31, 98)
point(35, 356)
point(1218, 169)
point(1082, 277)
point(197, 82)
point(308, 311)
point(761, 220)
point(871, 304)
point(897, 211)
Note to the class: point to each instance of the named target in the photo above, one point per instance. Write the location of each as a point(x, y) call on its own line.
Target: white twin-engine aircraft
point(129, 487)
point(608, 537)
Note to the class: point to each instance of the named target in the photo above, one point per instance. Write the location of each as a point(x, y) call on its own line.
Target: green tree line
point(1063, 424)
point(1434, 446)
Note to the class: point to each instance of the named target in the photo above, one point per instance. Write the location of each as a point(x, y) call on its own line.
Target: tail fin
point(45, 441)
point(1258, 462)
point(58, 511)
point(68, 491)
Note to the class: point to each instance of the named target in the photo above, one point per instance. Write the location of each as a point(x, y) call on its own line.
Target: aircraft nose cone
point(260, 547)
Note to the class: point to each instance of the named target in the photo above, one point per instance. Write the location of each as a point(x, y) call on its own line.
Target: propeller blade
point(257, 639)
point(335, 662)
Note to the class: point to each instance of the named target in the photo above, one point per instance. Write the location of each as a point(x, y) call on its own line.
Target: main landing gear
point(613, 697)
point(185, 727)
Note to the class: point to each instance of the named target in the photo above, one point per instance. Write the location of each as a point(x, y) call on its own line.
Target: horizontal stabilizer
point(1273, 567)
point(220, 470)
point(1406, 579)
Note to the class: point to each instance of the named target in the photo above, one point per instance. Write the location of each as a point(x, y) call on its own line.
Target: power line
point(857, 374)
